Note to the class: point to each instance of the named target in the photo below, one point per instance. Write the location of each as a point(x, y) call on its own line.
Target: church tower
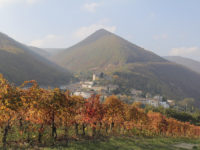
point(94, 77)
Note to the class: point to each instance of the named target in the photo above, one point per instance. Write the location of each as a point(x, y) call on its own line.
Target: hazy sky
point(166, 27)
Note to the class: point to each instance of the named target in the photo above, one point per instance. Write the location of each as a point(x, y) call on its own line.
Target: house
point(135, 92)
point(99, 88)
point(158, 97)
point(164, 104)
point(152, 102)
point(171, 102)
point(87, 84)
point(83, 94)
point(141, 100)
point(111, 87)
point(148, 95)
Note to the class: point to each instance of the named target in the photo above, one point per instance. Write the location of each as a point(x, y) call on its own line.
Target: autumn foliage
point(29, 109)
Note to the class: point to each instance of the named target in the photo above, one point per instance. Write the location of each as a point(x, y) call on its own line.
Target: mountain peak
point(100, 33)
point(102, 30)
point(105, 50)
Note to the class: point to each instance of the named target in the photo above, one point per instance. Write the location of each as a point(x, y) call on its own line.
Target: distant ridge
point(187, 62)
point(19, 62)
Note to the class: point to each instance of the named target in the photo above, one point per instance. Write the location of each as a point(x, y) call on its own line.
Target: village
point(92, 87)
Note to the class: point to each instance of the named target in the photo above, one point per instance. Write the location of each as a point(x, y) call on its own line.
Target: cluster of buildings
point(88, 88)
point(148, 99)
point(156, 101)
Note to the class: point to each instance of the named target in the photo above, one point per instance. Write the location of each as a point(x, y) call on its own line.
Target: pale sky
point(166, 27)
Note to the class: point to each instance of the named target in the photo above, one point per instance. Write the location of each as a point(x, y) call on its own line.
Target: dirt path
point(186, 146)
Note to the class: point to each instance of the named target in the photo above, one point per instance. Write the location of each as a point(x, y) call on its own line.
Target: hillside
point(103, 50)
point(168, 79)
point(19, 63)
point(130, 66)
point(187, 62)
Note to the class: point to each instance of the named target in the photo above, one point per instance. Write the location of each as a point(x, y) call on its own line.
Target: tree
point(136, 116)
point(33, 111)
point(93, 112)
point(157, 122)
point(10, 103)
point(114, 114)
point(69, 111)
point(75, 112)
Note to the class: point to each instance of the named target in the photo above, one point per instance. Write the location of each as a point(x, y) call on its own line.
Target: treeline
point(29, 110)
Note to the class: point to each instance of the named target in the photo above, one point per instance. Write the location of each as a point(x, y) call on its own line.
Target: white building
point(164, 104)
point(83, 94)
point(135, 92)
point(158, 97)
point(100, 88)
point(153, 102)
point(171, 102)
point(87, 84)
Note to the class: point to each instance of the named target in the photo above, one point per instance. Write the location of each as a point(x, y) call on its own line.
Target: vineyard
point(38, 115)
